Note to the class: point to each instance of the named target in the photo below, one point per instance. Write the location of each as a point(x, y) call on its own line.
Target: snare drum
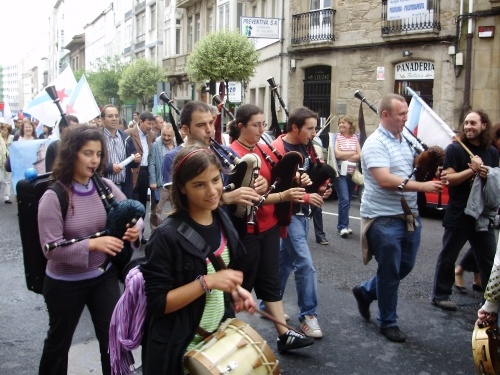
point(236, 348)
point(486, 349)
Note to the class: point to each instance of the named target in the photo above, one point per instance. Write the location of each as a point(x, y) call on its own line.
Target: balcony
point(313, 27)
point(175, 66)
point(186, 3)
point(428, 22)
point(140, 7)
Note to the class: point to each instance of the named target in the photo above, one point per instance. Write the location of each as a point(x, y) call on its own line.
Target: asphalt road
point(438, 342)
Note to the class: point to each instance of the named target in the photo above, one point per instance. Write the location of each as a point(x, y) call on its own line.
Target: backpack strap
point(62, 195)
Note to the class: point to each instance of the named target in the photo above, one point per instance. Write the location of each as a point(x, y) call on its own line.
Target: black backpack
point(28, 196)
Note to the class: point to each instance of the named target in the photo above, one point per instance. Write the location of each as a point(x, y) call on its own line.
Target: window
point(197, 27)
point(264, 8)
point(190, 34)
point(166, 42)
point(152, 12)
point(239, 13)
point(129, 34)
point(274, 9)
point(140, 27)
point(152, 54)
point(178, 37)
point(210, 20)
point(224, 16)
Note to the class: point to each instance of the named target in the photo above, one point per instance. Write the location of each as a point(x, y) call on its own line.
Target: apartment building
point(338, 47)
point(12, 86)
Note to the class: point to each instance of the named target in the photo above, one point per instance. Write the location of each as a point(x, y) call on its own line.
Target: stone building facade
point(346, 46)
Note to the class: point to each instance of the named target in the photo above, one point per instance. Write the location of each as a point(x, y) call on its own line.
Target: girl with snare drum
point(188, 290)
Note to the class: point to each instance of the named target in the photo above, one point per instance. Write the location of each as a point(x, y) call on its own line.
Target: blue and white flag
point(25, 155)
point(426, 124)
point(42, 106)
point(82, 103)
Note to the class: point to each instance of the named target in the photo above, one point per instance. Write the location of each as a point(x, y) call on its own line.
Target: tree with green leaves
point(223, 56)
point(103, 79)
point(139, 81)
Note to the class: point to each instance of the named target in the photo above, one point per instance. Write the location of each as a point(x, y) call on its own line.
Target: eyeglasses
point(259, 125)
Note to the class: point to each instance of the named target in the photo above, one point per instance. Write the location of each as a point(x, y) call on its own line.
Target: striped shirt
point(116, 154)
point(214, 304)
point(347, 144)
point(383, 150)
point(85, 216)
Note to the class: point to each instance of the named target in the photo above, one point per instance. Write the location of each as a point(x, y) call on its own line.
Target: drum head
point(486, 350)
point(235, 348)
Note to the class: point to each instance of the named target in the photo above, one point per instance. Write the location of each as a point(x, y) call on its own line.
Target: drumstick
point(274, 320)
point(263, 313)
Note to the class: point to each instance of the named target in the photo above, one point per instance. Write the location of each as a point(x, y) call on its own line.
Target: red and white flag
point(7, 114)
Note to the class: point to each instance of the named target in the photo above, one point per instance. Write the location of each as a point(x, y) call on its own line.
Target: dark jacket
point(129, 150)
point(136, 139)
point(175, 256)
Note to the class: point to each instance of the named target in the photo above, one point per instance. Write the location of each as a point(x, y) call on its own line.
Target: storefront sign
point(234, 92)
point(414, 70)
point(268, 28)
point(400, 9)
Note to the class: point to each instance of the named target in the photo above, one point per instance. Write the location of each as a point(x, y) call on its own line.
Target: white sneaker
point(344, 232)
point(349, 231)
point(310, 326)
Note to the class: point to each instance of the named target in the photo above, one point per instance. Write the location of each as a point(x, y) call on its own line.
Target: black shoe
point(293, 340)
point(144, 241)
point(445, 304)
point(477, 288)
point(363, 304)
point(393, 334)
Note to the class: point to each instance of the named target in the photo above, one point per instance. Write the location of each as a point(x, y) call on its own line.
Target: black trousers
point(260, 265)
point(65, 303)
point(484, 247)
point(140, 192)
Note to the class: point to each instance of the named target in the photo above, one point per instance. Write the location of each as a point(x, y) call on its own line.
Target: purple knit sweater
point(85, 216)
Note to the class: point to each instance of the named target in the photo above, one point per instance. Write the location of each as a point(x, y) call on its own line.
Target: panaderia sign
point(414, 70)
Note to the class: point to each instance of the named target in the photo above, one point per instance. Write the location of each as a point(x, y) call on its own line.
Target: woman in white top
point(348, 153)
point(5, 177)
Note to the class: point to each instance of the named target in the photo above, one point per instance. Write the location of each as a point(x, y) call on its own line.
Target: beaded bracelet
point(206, 284)
point(202, 280)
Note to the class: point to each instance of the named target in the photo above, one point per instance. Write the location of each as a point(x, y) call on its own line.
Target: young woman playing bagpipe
point(74, 278)
point(189, 291)
point(259, 232)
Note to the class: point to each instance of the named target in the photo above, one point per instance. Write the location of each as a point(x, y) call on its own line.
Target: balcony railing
point(429, 21)
point(314, 26)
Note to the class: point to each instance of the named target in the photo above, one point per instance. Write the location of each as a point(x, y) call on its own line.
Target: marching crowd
point(222, 241)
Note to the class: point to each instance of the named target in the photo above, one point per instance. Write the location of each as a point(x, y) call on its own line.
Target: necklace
point(246, 146)
point(86, 186)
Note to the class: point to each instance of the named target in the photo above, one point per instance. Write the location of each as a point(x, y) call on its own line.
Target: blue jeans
point(344, 188)
point(395, 250)
point(296, 257)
